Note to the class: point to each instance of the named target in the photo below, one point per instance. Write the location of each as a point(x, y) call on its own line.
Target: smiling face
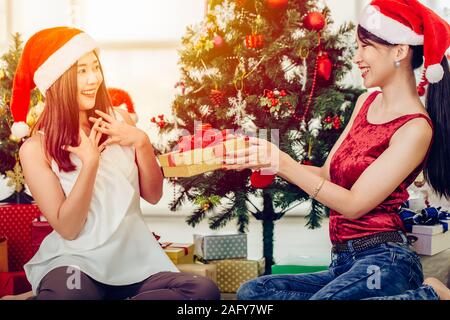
point(375, 61)
point(89, 79)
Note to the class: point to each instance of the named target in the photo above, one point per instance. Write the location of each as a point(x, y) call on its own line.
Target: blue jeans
point(388, 271)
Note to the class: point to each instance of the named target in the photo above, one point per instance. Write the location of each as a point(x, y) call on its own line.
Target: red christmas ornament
point(161, 124)
point(216, 97)
point(274, 102)
point(261, 181)
point(421, 90)
point(254, 41)
point(218, 41)
point(328, 119)
point(337, 122)
point(324, 66)
point(277, 4)
point(314, 21)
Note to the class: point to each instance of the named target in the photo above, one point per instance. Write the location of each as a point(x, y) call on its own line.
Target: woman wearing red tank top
point(390, 139)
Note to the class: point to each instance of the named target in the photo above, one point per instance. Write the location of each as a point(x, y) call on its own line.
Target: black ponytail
point(437, 168)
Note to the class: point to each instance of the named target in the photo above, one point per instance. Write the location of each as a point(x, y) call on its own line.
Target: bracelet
point(316, 191)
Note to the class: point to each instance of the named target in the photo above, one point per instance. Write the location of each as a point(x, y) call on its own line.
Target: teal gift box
point(220, 246)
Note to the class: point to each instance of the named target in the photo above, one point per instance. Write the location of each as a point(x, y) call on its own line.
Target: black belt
point(368, 242)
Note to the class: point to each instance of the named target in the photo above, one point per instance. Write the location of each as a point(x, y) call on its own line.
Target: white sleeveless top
point(115, 246)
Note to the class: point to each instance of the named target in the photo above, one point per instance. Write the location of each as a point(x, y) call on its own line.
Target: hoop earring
point(397, 64)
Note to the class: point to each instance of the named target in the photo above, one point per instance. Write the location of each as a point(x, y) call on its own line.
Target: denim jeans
point(388, 271)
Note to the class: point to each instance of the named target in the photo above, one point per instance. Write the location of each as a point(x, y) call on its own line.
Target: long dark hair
point(437, 167)
point(60, 118)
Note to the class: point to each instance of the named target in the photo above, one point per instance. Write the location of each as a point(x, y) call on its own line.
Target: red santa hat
point(121, 99)
point(410, 22)
point(46, 56)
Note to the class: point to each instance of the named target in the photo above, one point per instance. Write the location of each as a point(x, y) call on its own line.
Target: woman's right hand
point(88, 150)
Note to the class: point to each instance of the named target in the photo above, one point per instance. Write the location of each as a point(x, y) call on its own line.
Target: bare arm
point(407, 150)
point(150, 175)
point(67, 215)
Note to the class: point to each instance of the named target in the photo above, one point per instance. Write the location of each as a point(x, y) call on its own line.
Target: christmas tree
point(261, 64)
point(10, 168)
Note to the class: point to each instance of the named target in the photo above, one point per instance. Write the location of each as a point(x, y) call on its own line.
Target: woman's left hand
point(260, 154)
point(119, 132)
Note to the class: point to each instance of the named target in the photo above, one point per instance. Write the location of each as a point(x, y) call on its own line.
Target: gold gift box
point(179, 253)
point(205, 270)
point(197, 161)
point(232, 273)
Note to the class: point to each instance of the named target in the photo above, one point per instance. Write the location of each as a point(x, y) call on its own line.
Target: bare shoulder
point(361, 99)
point(33, 149)
point(417, 130)
point(125, 115)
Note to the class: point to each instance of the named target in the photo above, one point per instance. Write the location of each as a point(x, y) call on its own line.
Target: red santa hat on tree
point(46, 56)
point(410, 22)
point(121, 99)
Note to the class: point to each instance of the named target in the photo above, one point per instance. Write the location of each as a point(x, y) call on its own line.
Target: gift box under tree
point(217, 247)
point(206, 270)
point(232, 273)
point(15, 223)
point(179, 253)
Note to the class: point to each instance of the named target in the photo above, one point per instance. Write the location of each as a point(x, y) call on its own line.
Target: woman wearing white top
point(87, 168)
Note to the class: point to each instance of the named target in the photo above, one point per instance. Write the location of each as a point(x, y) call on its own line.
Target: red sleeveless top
point(364, 143)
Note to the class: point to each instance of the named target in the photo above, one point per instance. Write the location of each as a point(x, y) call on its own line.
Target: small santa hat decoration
point(410, 22)
point(46, 56)
point(121, 99)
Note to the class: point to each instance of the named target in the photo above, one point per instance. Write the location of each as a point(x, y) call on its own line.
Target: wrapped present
point(205, 270)
point(429, 227)
point(179, 253)
point(216, 247)
point(232, 273)
point(13, 283)
point(430, 239)
point(15, 224)
point(202, 152)
point(39, 230)
point(3, 254)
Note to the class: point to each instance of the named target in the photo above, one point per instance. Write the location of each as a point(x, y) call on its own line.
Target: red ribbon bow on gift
point(204, 136)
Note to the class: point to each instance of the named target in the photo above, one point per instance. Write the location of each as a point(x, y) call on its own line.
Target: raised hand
point(88, 150)
point(119, 132)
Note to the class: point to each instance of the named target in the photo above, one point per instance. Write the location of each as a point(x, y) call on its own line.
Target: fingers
point(108, 142)
point(94, 132)
point(68, 148)
point(98, 135)
point(105, 116)
point(104, 130)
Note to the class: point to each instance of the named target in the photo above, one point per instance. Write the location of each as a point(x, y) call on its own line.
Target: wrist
point(284, 163)
point(142, 140)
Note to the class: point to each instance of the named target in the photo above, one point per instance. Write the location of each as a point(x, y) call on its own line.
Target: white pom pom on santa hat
point(434, 73)
point(20, 130)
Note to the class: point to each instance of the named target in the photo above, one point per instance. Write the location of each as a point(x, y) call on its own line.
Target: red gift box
point(39, 230)
point(13, 283)
point(15, 223)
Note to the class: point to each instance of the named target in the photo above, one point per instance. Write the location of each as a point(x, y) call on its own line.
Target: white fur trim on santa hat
point(60, 61)
point(20, 130)
point(434, 73)
point(387, 28)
